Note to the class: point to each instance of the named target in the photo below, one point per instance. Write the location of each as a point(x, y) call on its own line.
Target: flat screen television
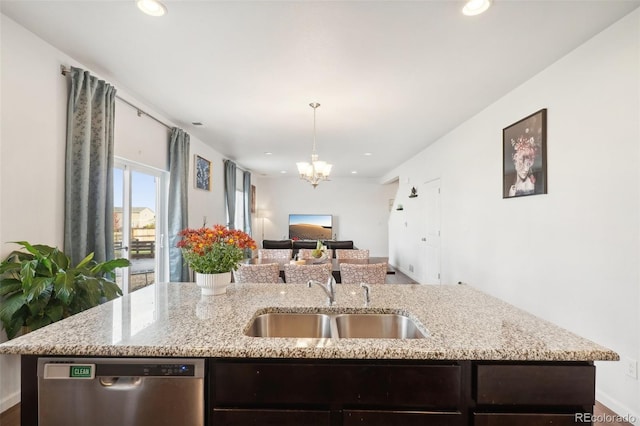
point(310, 226)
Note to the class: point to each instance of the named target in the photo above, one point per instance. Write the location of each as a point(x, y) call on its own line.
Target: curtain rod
point(64, 71)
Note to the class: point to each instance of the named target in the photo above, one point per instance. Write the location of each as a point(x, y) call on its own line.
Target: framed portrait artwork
point(524, 156)
point(203, 173)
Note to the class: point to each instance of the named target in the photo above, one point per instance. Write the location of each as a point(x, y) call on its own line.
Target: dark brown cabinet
point(341, 392)
point(532, 394)
point(404, 418)
point(524, 419)
point(319, 392)
point(248, 417)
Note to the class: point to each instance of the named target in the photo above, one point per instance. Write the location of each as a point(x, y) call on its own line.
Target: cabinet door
point(422, 387)
point(404, 418)
point(237, 417)
point(524, 419)
point(271, 383)
point(545, 385)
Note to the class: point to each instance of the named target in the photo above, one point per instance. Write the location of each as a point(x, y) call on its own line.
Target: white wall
point(32, 150)
point(570, 256)
point(360, 208)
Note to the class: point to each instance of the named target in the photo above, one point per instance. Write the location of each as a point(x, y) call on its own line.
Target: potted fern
point(40, 286)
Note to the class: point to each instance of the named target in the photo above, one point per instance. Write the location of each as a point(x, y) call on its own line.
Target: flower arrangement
point(214, 250)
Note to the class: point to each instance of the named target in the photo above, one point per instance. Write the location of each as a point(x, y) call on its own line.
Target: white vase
point(213, 284)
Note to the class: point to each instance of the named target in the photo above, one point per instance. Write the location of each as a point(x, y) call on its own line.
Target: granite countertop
point(173, 319)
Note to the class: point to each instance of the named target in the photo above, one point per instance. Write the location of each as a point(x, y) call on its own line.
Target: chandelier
point(317, 170)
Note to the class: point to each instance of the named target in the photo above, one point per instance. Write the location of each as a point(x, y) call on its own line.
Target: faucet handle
point(331, 281)
point(367, 293)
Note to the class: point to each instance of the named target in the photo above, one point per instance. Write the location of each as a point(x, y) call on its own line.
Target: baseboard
point(621, 410)
point(9, 401)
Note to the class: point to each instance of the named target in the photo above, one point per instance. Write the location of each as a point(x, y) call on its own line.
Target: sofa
point(296, 245)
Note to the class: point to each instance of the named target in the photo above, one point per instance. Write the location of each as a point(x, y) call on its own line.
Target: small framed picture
point(524, 156)
point(203, 173)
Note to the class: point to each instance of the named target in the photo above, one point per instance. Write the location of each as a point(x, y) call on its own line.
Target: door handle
point(120, 383)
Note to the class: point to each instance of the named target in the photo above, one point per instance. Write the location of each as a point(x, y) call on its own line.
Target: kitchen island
point(483, 362)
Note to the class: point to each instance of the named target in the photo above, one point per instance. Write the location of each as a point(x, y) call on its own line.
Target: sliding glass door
point(139, 224)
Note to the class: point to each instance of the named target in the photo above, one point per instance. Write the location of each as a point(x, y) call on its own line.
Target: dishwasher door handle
point(120, 383)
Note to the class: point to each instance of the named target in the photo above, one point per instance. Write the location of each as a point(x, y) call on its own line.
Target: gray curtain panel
point(177, 212)
point(246, 189)
point(88, 216)
point(230, 192)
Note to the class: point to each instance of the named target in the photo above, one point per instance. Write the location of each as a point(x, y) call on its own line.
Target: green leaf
point(10, 285)
point(54, 312)
point(27, 272)
point(7, 266)
point(110, 265)
point(40, 286)
point(31, 249)
point(85, 261)
point(64, 286)
point(61, 260)
point(10, 306)
point(38, 321)
point(111, 290)
point(37, 306)
point(13, 326)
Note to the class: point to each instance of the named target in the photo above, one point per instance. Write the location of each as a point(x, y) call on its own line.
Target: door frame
point(161, 253)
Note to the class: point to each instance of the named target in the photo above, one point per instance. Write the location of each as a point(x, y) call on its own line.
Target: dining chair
point(306, 253)
point(276, 244)
point(279, 254)
point(301, 274)
point(352, 254)
point(260, 273)
point(353, 273)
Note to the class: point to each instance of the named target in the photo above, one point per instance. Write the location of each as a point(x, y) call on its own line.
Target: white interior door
point(432, 239)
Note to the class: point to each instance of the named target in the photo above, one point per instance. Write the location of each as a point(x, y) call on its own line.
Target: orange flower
point(214, 250)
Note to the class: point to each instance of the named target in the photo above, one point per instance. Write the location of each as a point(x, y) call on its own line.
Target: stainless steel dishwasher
point(120, 391)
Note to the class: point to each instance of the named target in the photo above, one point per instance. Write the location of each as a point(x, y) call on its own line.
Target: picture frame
point(202, 173)
point(524, 156)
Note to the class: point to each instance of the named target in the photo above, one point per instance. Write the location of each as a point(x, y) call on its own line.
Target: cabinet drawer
point(523, 419)
point(416, 386)
point(271, 383)
point(421, 387)
point(536, 385)
point(404, 418)
point(234, 417)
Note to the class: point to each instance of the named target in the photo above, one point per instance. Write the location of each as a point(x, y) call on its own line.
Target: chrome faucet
point(367, 293)
point(329, 288)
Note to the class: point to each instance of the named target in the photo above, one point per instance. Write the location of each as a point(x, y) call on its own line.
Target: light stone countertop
point(173, 319)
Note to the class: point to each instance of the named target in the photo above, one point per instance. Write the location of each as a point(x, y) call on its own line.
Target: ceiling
point(391, 76)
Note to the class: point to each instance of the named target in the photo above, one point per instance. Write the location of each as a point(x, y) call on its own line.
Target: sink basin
point(377, 326)
point(343, 326)
point(291, 325)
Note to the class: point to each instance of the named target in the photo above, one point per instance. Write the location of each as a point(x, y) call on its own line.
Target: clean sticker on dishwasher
point(69, 371)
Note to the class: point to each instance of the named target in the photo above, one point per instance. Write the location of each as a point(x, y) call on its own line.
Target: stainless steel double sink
point(335, 325)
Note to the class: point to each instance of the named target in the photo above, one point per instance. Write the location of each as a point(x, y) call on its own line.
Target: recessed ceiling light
point(283, 171)
point(354, 172)
point(476, 7)
point(268, 153)
point(368, 154)
point(151, 7)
